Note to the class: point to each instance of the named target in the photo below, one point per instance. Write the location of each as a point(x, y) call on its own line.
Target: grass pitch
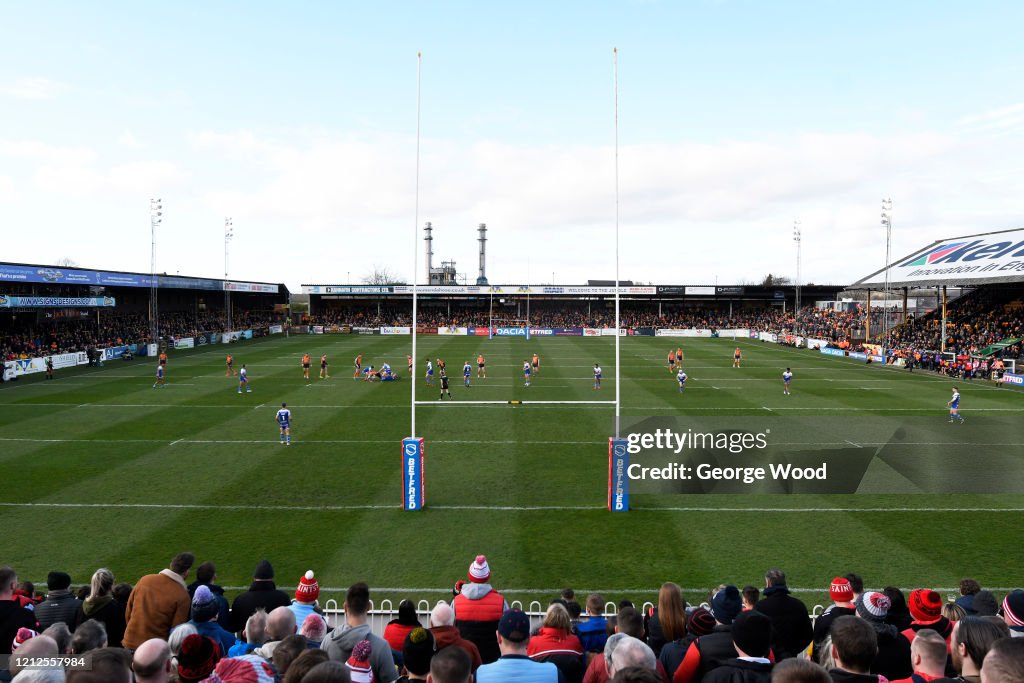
point(100, 469)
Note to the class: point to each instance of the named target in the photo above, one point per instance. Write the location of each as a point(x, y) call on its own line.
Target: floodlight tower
point(798, 238)
point(155, 219)
point(887, 222)
point(229, 233)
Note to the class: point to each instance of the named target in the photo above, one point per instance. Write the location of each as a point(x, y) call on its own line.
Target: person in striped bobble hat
point(478, 609)
point(306, 594)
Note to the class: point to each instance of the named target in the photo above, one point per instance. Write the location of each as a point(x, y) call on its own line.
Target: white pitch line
point(176, 442)
point(633, 409)
point(513, 442)
point(492, 508)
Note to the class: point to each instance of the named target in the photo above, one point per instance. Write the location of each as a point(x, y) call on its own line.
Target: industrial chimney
point(482, 278)
point(429, 239)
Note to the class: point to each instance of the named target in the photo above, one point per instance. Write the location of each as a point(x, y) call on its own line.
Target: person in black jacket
point(791, 626)
point(854, 646)
point(206, 575)
point(60, 603)
point(892, 659)
point(751, 637)
point(262, 593)
point(12, 615)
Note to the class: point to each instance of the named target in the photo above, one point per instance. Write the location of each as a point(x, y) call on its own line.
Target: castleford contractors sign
point(973, 260)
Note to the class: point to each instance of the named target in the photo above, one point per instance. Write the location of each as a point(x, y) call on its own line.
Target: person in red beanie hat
point(306, 595)
point(198, 656)
point(359, 663)
point(841, 593)
point(926, 608)
point(478, 609)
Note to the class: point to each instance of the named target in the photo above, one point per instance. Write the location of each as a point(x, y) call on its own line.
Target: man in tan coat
point(159, 603)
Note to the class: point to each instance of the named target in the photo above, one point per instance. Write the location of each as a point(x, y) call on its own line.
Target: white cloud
point(690, 212)
point(32, 89)
point(128, 139)
point(1006, 118)
point(6, 188)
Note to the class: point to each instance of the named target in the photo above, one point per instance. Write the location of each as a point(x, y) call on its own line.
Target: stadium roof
point(29, 273)
point(983, 259)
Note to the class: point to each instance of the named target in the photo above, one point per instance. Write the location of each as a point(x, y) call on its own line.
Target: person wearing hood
point(792, 630)
point(478, 609)
point(101, 606)
point(892, 659)
point(341, 641)
point(262, 593)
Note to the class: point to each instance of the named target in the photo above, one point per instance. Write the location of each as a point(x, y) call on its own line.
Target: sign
point(396, 330)
point(542, 331)
point(988, 257)
point(591, 332)
point(453, 331)
point(186, 343)
point(700, 291)
point(618, 480)
point(56, 301)
point(1015, 380)
point(702, 333)
point(114, 352)
point(254, 287)
point(413, 493)
point(69, 360)
point(26, 366)
point(768, 337)
point(99, 278)
point(346, 289)
point(729, 291)
point(833, 352)
point(276, 329)
point(510, 331)
point(569, 332)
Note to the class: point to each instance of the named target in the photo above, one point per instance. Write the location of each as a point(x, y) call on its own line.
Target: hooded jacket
point(338, 645)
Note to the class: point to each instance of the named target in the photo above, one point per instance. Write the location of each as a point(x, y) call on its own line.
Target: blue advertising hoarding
point(412, 474)
point(618, 479)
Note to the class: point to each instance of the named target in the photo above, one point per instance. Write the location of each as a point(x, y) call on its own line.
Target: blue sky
point(298, 120)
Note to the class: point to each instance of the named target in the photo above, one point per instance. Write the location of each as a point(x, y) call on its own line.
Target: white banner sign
point(396, 330)
point(276, 329)
point(992, 256)
point(706, 334)
point(186, 343)
point(768, 337)
point(453, 331)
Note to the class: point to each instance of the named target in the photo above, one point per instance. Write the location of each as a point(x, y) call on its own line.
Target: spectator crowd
point(178, 625)
point(30, 338)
